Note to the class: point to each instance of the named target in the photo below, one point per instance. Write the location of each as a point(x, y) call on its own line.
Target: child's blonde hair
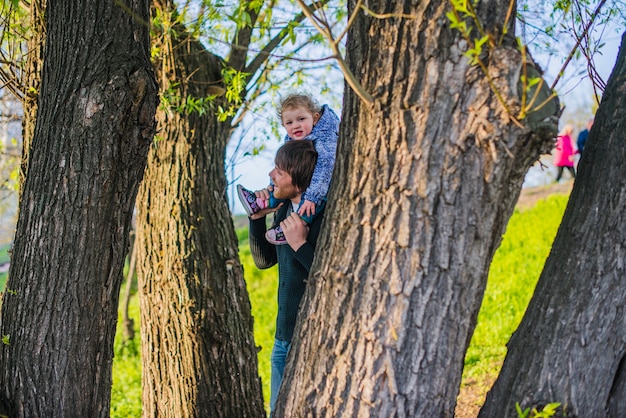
point(299, 100)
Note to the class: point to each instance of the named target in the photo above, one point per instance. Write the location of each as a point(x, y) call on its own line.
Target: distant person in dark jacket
point(582, 137)
point(294, 165)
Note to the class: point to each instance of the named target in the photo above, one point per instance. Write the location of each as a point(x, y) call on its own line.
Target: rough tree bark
point(198, 352)
point(95, 121)
point(32, 80)
point(571, 344)
point(425, 182)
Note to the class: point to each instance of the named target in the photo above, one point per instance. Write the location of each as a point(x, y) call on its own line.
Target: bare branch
point(386, 15)
point(266, 52)
point(349, 76)
point(578, 41)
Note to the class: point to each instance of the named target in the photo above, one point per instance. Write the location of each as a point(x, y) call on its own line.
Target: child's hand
point(307, 208)
point(264, 194)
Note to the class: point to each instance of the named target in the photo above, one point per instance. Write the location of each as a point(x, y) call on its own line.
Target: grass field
point(4, 254)
point(514, 272)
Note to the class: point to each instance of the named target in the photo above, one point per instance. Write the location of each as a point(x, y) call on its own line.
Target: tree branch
point(347, 73)
point(263, 55)
point(578, 41)
point(241, 42)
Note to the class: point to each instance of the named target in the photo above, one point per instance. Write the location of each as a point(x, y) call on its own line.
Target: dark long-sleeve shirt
point(293, 268)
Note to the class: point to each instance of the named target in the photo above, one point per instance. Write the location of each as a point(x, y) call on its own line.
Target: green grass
point(126, 390)
point(4, 258)
point(514, 272)
point(4, 253)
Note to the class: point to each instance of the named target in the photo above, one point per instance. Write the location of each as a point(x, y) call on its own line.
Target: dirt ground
point(473, 392)
point(529, 196)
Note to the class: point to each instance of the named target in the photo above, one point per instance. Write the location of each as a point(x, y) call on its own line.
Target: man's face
point(299, 122)
point(283, 186)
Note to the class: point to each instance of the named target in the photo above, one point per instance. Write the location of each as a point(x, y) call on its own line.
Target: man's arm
point(263, 253)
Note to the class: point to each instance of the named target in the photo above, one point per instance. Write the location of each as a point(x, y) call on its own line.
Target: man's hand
point(295, 230)
point(307, 208)
point(265, 195)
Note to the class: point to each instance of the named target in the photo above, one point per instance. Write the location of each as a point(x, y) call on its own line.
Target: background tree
point(427, 176)
point(570, 345)
point(95, 120)
point(198, 352)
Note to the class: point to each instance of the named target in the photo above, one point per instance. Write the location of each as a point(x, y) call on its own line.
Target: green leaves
point(457, 23)
point(463, 6)
point(473, 54)
point(548, 411)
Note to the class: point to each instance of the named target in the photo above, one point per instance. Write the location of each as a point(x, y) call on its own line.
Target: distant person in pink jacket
point(564, 152)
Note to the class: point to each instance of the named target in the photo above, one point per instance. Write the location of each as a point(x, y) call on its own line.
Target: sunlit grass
point(513, 275)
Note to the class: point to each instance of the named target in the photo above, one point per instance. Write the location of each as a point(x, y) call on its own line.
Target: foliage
point(14, 31)
point(10, 157)
point(548, 411)
point(571, 31)
point(265, 48)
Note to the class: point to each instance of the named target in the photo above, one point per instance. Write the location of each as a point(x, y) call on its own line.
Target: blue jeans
point(279, 358)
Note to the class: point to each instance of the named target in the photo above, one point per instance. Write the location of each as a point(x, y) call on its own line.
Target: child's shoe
point(276, 236)
point(249, 200)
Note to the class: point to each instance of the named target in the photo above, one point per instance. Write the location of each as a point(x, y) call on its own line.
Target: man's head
point(294, 165)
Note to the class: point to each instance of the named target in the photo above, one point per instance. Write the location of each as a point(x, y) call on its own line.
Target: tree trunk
point(198, 352)
point(32, 80)
point(570, 346)
point(94, 124)
point(425, 182)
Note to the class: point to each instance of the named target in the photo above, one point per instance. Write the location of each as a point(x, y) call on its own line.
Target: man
point(294, 165)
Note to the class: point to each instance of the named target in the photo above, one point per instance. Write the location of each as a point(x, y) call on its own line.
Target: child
point(303, 119)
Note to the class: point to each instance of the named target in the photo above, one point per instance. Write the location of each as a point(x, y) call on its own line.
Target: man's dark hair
point(298, 158)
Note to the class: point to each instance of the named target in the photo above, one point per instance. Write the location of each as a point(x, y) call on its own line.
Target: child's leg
point(309, 218)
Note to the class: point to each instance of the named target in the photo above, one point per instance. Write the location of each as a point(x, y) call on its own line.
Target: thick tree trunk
point(95, 122)
point(571, 344)
point(198, 352)
point(426, 180)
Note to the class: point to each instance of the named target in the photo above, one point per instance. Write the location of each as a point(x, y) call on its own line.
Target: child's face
point(299, 122)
